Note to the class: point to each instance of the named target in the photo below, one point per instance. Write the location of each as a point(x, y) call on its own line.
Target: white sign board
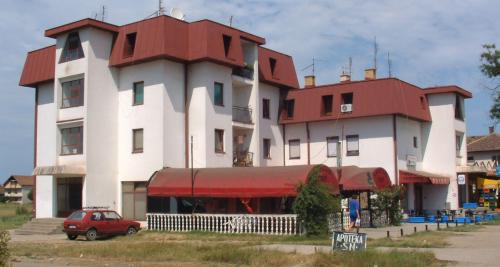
point(461, 179)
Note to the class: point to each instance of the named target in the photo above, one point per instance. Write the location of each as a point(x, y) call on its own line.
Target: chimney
point(370, 74)
point(345, 78)
point(491, 129)
point(310, 81)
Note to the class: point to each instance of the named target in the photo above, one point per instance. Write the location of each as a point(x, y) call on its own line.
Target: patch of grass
point(462, 228)
point(160, 252)
point(13, 215)
point(496, 221)
point(431, 239)
point(247, 238)
point(372, 258)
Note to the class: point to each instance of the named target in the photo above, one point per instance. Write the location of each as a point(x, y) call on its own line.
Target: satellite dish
point(177, 13)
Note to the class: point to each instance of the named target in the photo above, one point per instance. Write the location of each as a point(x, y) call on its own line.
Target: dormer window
point(129, 48)
point(72, 48)
point(327, 102)
point(459, 115)
point(227, 43)
point(289, 106)
point(272, 64)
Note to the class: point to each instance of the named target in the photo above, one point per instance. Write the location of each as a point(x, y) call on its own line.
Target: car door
point(113, 220)
point(98, 222)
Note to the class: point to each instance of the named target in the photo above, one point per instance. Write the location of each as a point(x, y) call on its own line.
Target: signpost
point(461, 179)
point(343, 241)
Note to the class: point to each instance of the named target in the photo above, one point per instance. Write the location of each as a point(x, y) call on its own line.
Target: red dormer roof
point(448, 89)
point(39, 67)
point(370, 98)
point(284, 70)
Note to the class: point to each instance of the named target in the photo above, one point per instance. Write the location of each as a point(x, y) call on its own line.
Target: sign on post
point(498, 170)
point(343, 241)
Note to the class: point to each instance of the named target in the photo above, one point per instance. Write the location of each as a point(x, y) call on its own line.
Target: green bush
point(388, 202)
point(22, 210)
point(30, 195)
point(4, 249)
point(314, 203)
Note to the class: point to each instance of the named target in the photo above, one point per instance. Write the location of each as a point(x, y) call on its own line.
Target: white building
point(114, 104)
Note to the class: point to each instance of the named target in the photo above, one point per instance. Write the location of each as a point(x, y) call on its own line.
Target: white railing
point(264, 224)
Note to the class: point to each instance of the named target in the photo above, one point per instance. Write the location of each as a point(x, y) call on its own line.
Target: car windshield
point(77, 215)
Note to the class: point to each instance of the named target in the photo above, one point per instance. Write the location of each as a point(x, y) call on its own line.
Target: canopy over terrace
point(420, 177)
point(354, 178)
point(251, 182)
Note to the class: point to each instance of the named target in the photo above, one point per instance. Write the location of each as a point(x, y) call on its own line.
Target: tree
point(314, 204)
point(30, 195)
point(491, 68)
point(387, 201)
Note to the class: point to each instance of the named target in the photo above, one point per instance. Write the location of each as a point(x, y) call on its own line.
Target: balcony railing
point(243, 72)
point(242, 114)
point(242, 159)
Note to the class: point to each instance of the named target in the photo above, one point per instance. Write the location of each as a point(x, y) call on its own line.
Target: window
point(352, 145)
point(331, 146)
point(72, 141)
point(289, 106)
point(72, 94)
point(219, 141)
point(347, 98)
point(129, 47)
point(137, 140)
point(294, 149)
point(134, 199)
point(415, 142)
point(458, 144)
point(138, 93)
point(266, 148)
point(327, 101)
point(218, 94)
point(458, 109)
point(265, 108)
point(97, 216)
point(72, 48)
point(227, 43)
point(111, 216)
point(470, 158)
point(272, 64)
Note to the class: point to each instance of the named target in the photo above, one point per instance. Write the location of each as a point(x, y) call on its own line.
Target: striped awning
point(421, 177)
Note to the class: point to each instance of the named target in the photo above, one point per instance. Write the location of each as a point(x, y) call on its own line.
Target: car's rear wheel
point(72, 237)
point(91, 234)
point(131, 230)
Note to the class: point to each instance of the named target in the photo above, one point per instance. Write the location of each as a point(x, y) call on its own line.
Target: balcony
point(242, 114)
point(242, 159)
point(244, 72)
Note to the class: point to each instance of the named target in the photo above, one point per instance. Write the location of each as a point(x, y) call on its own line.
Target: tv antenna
point(100, 15)
point(350, 66)
point(231, 21)
point(177, 13)
point(313, 65)
point(160, 11)
point(389, 64)
point(375, 52)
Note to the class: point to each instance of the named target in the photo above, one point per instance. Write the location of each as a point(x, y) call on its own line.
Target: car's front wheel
point(131, 230)
point(72, 237)
point(91, 234)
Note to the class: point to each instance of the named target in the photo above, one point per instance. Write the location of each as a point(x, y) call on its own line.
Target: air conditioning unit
point(346, 108)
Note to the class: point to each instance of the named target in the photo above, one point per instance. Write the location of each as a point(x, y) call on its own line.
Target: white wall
point(406, 129)
point(205, 117)
point(269, 128)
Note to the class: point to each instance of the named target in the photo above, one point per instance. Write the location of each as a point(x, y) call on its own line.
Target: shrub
point(314, 203)
point(22, 210)
point(387, 201)
point(30, 195)
point(4, 249)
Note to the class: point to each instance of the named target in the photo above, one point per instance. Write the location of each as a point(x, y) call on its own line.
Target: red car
point(94, 223)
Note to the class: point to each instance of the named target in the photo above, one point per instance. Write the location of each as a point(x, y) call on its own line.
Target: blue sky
point(430, 42)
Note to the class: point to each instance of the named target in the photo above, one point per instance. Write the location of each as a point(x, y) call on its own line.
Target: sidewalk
point(408, 229)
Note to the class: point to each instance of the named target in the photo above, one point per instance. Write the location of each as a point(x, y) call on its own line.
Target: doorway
point(419, 199)
point(69, 195)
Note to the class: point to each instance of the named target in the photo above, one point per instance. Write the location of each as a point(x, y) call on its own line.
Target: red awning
point(249, 182)
point(354, 178)
point(420, 177)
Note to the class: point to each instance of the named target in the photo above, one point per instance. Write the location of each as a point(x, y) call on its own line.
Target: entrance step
point(45, 226)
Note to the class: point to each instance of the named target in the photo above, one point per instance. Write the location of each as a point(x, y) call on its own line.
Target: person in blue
point(353, 212)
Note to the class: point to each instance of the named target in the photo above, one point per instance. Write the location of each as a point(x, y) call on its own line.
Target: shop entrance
point(419, 199)
point(69, 195)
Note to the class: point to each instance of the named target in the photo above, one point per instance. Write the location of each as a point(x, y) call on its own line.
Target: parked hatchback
point(93, 223)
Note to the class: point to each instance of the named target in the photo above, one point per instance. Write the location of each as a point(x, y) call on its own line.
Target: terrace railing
point(340, 221)
point(263, 224)
point(242, 114)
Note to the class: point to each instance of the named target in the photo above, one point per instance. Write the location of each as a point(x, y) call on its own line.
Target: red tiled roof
point(489, 142)
point(448, 89)
point(284, 71)
point(23, 180)
point(370, 98)
point(39, 67)
point(54, 32)
point(170, 38)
